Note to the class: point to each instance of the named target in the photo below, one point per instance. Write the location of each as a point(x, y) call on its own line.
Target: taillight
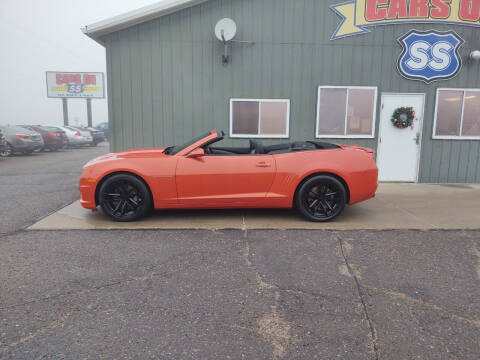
point(52, 133)
point(22, 136)
point(91, 133)
point(77, 133)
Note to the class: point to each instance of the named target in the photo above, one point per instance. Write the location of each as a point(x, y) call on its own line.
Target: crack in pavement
point(58, 322)
point(420, 301)
point(149, 275)
point(476, 252)
point(50, 326)
point(352, 272)
point(272, 327)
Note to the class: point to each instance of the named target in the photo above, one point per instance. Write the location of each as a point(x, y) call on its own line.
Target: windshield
point(176, 149)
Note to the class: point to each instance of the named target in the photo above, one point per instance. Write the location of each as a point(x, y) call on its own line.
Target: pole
point(89, 112)
point(65, 111)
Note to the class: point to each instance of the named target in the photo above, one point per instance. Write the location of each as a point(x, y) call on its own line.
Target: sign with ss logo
point(430, 56)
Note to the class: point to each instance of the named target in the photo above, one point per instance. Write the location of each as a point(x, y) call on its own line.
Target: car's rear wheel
point(124, 198)
point(7, 151)
point(321, 198)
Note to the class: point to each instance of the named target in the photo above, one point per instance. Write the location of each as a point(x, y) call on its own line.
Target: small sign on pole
point(80, 85)
point(90, 85)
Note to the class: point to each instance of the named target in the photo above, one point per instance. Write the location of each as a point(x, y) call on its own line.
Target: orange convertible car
point(317, 178)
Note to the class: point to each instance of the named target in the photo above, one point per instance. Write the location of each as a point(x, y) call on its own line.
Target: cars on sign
point(317, 178)
point(21, 140)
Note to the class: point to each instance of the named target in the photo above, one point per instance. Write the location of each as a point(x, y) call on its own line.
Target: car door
point(224, 180)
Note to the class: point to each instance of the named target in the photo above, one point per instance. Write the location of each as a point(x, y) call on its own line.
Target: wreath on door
point(403, 117)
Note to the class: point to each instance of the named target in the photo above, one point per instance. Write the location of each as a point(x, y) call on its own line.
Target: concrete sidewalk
point(396, 206)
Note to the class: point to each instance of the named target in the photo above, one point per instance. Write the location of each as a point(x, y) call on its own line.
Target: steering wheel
point(207, 150)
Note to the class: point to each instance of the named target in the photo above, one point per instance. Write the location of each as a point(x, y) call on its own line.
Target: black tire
point(321, 198)
point(125, 198)
point(93, 144)
point(8, 151)
point(28, 152)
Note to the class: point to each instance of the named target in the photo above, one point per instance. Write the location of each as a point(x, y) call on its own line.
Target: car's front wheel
point(321, 198)
point(124, 198)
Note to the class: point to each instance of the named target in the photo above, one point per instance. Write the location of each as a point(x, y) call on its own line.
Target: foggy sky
point(39, 36)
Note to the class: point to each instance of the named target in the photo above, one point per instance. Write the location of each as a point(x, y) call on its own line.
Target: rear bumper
point(363, 185)
point(98, 138)
point(79, 141)
point(55, 142)
point(27, 145)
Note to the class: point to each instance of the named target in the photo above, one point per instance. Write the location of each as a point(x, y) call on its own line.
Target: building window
point(262, 118)
point(457, 114)
point(346, 112)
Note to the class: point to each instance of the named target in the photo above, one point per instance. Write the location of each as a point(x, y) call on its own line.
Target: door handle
point(417, 139)
point(263, 164)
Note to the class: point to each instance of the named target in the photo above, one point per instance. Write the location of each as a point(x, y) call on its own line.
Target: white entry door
point(398, 153)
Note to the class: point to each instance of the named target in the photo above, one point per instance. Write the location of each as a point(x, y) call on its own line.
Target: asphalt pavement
point(231, 294)
point(31, 186)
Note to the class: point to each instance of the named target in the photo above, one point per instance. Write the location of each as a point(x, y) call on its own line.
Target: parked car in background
point(97, 135)
point(21, 140)
point(53, 137)
point(76, 137)
point(3, 145)
point(103, 127)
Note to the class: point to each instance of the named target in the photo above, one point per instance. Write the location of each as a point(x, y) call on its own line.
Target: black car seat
point(256, 147)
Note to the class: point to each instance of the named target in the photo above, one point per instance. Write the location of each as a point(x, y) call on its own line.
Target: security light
point(475, 55)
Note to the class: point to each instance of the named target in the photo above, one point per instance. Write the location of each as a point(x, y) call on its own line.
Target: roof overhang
point(150, 12)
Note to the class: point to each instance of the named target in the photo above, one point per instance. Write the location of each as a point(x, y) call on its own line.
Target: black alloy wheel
point(124, 198)
point(321, 198)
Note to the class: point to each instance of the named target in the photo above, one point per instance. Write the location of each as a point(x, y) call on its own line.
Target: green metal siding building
point(167, 83)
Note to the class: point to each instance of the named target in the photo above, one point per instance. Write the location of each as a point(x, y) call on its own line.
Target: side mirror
point(197, 153)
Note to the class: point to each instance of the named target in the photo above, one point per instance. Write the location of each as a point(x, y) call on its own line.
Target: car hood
point(131, 154)
point(142, 153)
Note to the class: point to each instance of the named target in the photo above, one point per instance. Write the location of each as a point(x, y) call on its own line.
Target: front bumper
point(87, 188)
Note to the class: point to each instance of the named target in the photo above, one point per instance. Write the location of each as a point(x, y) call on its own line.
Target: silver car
point(76, 137)
point(21, 140)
